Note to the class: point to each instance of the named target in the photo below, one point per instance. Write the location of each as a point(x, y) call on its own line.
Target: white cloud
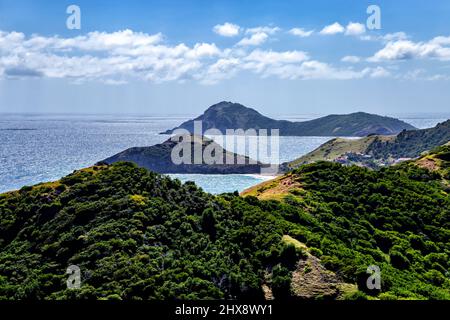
point(266, 30)
point(259, 60)
point(352, 29)
point(334, 28)
point(444, 41)
point(355, 29)
point(407, 50)
point(351, 59)
point(203, 50)
point(227, 29)
point(98, 56)
point(255, 39)
point(221, 70)
point(395, 36)
point(257, 36)
point(123, 56)
point(421, 74)
point(379, 72)
point(294, 65)
point(300, 32)
point(312, 69)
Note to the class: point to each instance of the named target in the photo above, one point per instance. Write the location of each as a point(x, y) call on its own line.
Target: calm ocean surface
point(40, 147)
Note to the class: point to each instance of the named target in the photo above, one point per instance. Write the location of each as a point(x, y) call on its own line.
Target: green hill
point(375, 150)
point(228, 115)
point(158, 158)
point(135, 234)
point(410, 144)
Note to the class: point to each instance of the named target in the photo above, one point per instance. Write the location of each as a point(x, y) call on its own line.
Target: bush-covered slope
point(134, 234)
point(397, 218)
point(375, 150)
point(139, 235)
point(410, 144)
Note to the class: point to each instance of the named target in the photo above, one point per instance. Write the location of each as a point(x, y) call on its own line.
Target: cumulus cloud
point(407, 50)
point(266, 30)
point(300, 32)
point(351, 59)
point(395, 36)
point(260, 60)
point(421, 74)
point(227, 29)
point(334, 28)
point(442, 41)
point(203, 50)
point(355, 29)
point(255, 39)
point(352, 29)
point(313, 69)
point(224, 68)
point(98, 56)
point(379, 72)
point(118, 57)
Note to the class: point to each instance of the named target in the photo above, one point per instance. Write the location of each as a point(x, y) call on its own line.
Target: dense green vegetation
point(411, 143)
point(134, 234)
point(139, 235)
point(375, 151)
point(396, 218)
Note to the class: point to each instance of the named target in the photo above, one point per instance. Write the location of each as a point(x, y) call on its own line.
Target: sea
point(37, 148)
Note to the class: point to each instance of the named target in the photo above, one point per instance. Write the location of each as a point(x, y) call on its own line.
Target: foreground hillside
point(228, 115)
point(139, 235)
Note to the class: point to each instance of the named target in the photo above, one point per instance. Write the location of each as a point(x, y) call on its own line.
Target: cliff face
point(158, 158)
point(228, 115)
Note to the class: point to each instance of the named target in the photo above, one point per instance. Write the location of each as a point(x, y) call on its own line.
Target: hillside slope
point(158, 158)
point(135, 234)
point(396, 214)
point(228, 115)
point(410, 144)
point(375, 150)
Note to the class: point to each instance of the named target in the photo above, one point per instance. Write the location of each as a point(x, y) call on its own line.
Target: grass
point(289, 240)
point(337, 147)
point(275, 189)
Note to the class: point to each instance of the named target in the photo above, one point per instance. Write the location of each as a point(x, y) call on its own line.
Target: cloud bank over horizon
point(126, 55)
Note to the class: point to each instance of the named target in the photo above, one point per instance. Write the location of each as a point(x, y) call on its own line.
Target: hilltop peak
point(229, 106)
point(231, 115)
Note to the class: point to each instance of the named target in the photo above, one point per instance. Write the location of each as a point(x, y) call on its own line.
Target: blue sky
point(178, 57)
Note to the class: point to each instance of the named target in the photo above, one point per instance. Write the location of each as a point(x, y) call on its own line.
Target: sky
point(179, 57)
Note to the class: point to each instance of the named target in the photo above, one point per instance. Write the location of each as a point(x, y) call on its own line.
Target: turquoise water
point(37, 148)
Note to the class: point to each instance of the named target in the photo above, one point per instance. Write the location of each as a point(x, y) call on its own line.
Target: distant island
point(228, 115)
point(157, 158)
point(376, 150)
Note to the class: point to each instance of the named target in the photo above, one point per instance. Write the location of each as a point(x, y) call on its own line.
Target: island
point(232, 116)
point(158, 158)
